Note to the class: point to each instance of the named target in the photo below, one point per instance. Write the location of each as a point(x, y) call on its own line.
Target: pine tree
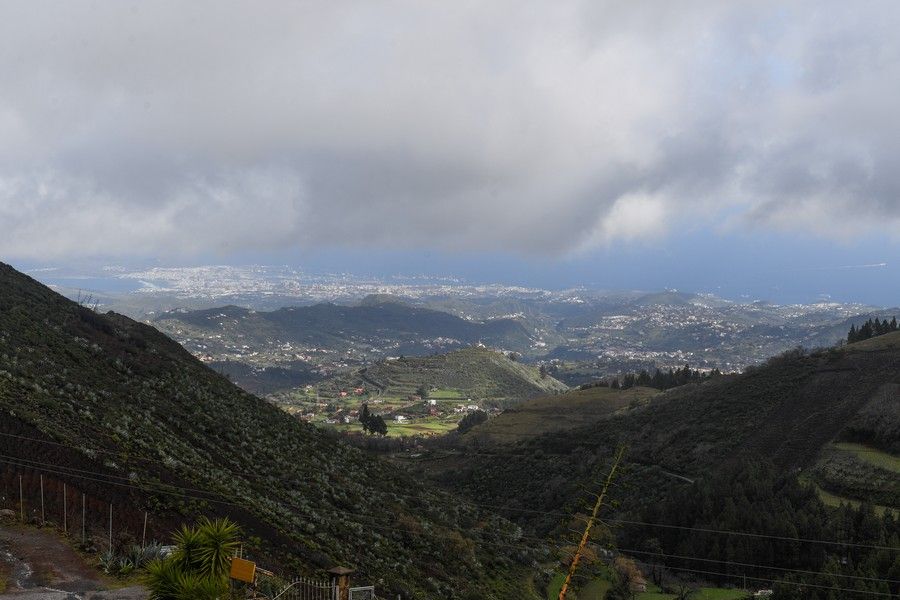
point(365, 418)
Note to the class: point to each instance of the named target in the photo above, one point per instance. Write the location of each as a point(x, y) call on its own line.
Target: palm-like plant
point(219, 543)
point(198, 568)
point(188, 543)
point(162, 579)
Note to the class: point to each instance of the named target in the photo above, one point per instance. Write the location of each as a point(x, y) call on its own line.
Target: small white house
point(399, 418)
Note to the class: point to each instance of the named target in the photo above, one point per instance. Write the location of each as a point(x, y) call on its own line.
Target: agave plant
point(108, 562)
point(124, 566)
point(140, 556)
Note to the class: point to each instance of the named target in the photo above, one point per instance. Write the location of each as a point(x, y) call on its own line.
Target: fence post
point(340, 576)
point(21, 501)
point(110, 526)
point(43, 520)
point(144, 535)
point(83, 513)
point(65, 511)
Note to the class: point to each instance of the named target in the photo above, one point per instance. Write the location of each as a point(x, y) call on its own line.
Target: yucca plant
point(161, 579)
point(219, 543)
point(188, 542)
point(192, 586)
point(198, 568)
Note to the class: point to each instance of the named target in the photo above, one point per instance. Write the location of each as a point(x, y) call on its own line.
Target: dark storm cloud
point(541, 128)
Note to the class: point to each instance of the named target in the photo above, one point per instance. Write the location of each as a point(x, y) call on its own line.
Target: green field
point(835, 501)
point(597, 588)
point(653, 593)
point(874, 457)
point(446, 394)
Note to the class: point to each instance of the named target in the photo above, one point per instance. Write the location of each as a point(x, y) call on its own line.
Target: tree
point(422, 391)
point(199, 566)
point(543, 371)
point(377, 425)
point(365, 417)
point(471, 420)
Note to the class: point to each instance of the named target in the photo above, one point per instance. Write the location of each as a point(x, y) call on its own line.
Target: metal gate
point(307, 589)
point(362, 593)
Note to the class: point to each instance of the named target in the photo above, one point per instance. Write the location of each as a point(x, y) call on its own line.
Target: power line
point(477, 542)
point(793, 583)
point(52, 469)
point(749, 565)
point(525, 510)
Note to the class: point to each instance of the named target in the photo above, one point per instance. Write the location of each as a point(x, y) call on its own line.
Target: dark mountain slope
point(786, 413)
point(371, 322)
point(134, 413)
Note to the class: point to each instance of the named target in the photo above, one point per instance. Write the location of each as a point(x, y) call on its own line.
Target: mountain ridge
point(123, 401)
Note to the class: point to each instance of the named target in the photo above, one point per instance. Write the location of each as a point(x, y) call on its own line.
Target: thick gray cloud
point(537, 127)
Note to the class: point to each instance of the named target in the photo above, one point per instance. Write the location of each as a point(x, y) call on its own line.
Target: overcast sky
point(552, 134)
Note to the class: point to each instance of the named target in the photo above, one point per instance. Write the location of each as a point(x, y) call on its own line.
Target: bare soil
point(37, 564)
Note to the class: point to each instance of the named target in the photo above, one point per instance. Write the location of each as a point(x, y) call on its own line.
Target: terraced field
point(872, 456)
point(848, 472)
point(453, 383)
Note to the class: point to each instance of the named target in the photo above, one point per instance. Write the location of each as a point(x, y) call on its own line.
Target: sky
point(743, 148)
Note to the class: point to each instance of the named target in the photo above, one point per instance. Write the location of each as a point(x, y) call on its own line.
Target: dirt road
point(36, 564)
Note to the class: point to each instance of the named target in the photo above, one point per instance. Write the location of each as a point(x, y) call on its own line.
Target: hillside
point(831, 416)
point(454, 384)
point(557, 413)
point(766, 452)
point(476, 373)
point(117, 410)
point(300, 339)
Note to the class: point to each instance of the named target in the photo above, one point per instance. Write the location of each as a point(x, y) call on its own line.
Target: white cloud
point(176, 128)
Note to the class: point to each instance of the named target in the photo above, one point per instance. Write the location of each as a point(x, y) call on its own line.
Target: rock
point(7, 515)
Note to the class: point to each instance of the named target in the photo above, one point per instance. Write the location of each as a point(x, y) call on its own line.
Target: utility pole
point(590, 523)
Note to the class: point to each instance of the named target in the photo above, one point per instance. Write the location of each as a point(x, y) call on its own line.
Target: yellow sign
point(243, 570)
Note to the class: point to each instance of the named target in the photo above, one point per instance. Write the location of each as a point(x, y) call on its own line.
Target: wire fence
point(30, 496)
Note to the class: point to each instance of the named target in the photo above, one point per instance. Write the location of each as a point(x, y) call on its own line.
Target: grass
point(425, 426)
point(888, 341)
point(654, 593)
point(595, 590)
point(874, 457)
point(446, 394)
point(718, 594)
point(835, 501)
point(555, 585)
